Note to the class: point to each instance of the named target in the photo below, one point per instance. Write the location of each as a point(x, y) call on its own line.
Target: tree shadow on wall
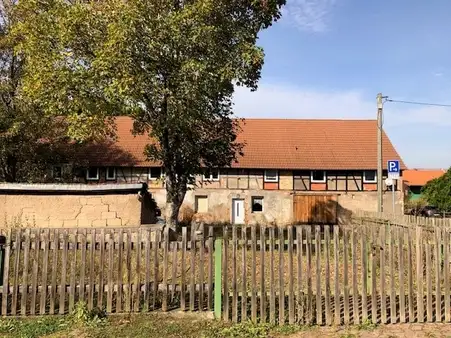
point(329, 213)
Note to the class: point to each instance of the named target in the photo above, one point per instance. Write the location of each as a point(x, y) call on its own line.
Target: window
point(257, 204)
point(201, 204)
point(155, 173)
point(92, 174)
point(57, 172)
point(318, 176)
point(369, 176)
point(211, 175)
point(271, 176)
point(110, 173)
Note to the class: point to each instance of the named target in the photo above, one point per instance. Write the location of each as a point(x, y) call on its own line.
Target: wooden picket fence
point(384, 273)
point(46, 271)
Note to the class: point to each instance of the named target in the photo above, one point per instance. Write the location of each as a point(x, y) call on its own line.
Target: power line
point(419, 103)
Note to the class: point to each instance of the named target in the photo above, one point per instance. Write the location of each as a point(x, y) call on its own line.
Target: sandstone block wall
point(70, 210)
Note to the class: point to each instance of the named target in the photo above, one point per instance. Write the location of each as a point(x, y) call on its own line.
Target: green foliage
point(367, 325)
point(84, 317)
point(32, 329)
point(438, 192)
point(171, 65)
point(416, 206)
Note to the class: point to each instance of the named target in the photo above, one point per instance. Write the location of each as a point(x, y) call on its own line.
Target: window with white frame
point(257, 204)
point(318, 176)
point(369, 176)
point(271, 176)
point(155, 173)
point(92, 174)
point(111, 173)
point(57, 172)
point(211, 175)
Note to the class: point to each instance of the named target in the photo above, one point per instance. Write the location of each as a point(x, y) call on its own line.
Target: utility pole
point(380, 107)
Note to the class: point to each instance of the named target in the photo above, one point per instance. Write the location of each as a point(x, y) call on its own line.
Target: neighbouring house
point(415, 179)
point(292, 171)
point(75, 205)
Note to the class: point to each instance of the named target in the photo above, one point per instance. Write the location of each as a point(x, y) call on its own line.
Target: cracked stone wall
point(70, 211)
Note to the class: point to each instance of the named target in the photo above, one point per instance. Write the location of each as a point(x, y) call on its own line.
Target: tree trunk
point(175, 194)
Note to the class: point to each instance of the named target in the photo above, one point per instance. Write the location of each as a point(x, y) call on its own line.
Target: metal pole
point(380, 107)
point(393, 194)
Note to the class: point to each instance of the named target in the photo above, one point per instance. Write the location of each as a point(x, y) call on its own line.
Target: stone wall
point(277, 204)
point(71, 209)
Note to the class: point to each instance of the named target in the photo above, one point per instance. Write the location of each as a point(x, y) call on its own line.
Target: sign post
point(393, 169)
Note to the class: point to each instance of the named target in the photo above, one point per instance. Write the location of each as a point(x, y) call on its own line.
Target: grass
point(94, 324)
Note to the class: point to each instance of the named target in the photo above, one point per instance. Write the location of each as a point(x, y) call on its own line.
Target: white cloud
point(308, 15)
point(288, 101)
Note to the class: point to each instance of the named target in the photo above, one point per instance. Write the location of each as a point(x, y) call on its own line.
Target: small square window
point(155, 173)
point(92, 174)
point(369, 176)
point(211, 175)
point(201, 204)
point(271, 176)
point(111, 173)
point(57, 172)
point(318, 176)
point(257, 204)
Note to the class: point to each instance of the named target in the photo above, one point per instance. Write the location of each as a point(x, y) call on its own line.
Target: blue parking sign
point(393, 168)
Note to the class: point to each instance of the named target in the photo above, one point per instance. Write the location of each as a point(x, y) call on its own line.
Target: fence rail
point(382, 272)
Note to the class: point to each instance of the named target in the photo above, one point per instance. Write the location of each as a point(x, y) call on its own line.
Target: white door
point(238, 212)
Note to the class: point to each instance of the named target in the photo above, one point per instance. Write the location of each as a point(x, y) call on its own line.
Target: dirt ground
point(388, 331)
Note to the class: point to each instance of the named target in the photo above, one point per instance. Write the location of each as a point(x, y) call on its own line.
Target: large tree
point(170, 64)
point(438, 192)
point(28, 140)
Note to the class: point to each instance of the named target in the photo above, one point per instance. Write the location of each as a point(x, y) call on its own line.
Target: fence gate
point(315, 209)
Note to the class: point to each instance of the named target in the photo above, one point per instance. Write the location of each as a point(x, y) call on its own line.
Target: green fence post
point(218, 278)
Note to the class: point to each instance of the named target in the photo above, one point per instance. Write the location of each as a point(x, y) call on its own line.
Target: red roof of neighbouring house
point(420, 177)
point(275, 144)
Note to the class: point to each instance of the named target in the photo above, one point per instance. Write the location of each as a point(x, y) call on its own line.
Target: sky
point(330, 58)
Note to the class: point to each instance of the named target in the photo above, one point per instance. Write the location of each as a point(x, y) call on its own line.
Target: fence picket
point(128, 267)
point(402, 296)
point(262, 275)
point(183, 272)
point(164, 305)
point(34, 279)
point(355, 305)
point(234, 276)
point(391, 258)
point(438, 275)
point(174, 272)
point(337, 319)
point(45, 266)
point(272, 292)
point(92, 280)
point(364, 253)
point(382, 273)
point(410, 277)
point(419, 257)
point(373, 259)
point(82, 266)
point(345, 277)
point(137, 287)
point(62, 300)
point(192, 289)
point(201, 267)
point(290, 277)
point(120, 278)
point(72, 271)
point(428, 283)
point(309, 302)
point(446, 239)
point(109, 303)
point(244, 275)
point(281, 279)
point(15, 291)
point(253, 274)
point(24, 292)
point(6, 259)
point(210, 269)
point(101, 288)
point(327, 272)
point(225, 271)
point(319, 306)
point(300, 294)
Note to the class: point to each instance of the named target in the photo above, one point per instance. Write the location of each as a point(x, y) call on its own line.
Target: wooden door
point(315, 209)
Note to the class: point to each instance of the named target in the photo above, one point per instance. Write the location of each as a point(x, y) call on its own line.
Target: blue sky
point(330, 58)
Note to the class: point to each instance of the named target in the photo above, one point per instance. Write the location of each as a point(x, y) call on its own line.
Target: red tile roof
point(420, 177)
point(276, 144)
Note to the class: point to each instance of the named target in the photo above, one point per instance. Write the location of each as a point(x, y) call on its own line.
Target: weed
point(84, 317)
point(348, 335)
point(286, 330)
point(243, 330)
point(366, 325)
